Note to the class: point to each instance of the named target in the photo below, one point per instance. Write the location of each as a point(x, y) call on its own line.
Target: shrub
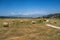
point(40, 21)
point(55, 22)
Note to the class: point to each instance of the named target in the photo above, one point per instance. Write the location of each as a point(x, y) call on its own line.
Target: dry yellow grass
point(27, 31)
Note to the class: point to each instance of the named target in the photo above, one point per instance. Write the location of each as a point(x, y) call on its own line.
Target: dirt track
point(53, 26)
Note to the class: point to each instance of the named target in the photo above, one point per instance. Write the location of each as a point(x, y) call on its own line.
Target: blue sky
point(29, 7)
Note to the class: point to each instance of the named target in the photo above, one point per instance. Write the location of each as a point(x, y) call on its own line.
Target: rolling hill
point(55, 15)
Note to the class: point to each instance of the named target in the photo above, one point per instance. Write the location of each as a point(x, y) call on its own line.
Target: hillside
point(56, 15)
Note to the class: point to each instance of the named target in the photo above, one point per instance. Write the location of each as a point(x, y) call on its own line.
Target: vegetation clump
point(13, 20)
point(55, 22)
point(44, 20)
point(40, 21)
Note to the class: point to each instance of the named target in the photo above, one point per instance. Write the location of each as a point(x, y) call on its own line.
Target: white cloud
point(28, 12)
point(13, 13)
point(34, 12)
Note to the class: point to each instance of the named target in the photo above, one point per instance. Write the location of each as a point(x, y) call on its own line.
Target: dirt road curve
point(53, 26)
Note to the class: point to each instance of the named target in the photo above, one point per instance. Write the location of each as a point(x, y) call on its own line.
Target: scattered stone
point(5, 24)
point(33, 22)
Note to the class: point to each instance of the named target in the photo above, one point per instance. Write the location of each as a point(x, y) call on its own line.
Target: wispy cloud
point(34, 12)
point(29, 12)
point(13, 13)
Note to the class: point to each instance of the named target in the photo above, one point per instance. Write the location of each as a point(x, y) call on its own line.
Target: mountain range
point(55, 15)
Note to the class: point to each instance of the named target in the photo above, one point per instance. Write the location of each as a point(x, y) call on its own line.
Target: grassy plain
point(27, 30)
point(55, 22)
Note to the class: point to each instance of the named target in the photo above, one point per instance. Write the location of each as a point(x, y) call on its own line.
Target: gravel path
point(53, 26)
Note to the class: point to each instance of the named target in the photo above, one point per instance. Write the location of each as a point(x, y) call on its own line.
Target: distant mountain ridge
point(22, 16)
point(56, 15)
point(34, 15)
